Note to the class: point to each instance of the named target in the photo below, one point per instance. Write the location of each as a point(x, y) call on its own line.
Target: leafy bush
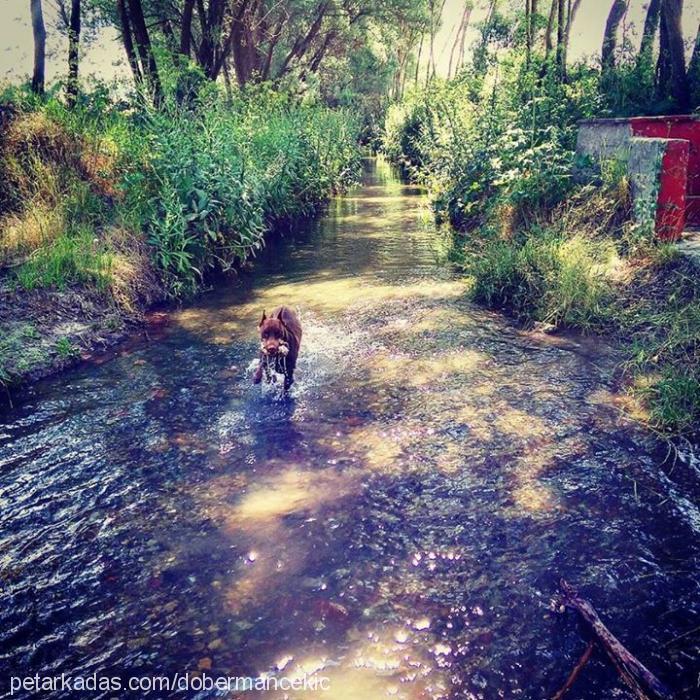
point(204, 183)
point(217, 180)
point(481, 145)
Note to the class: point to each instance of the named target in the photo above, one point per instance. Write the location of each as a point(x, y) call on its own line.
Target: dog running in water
point(280, 339)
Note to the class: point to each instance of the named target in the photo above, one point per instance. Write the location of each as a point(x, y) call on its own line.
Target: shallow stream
point(399, 525)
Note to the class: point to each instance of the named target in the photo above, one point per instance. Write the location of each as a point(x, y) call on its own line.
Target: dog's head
point(273, 334)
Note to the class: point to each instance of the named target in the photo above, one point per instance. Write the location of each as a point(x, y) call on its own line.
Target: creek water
point(398, 525)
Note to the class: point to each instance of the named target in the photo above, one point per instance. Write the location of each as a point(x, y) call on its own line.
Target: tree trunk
point(145, 51)
point(246, 38)
point(617, 12)
point(464, 23)
point(651, 26)
point(548, 43)
point(672, 76)
point(212, 49)
point(420, 51)
point(431, 57)
point(561, 39)
point(435, 18)
point(533, 23)
point(301, 45)
point(460, 60)
point(39, 32)
point(73, 53)
point(128, 40)
point(694, 73)
point(571, 10)
point(274, 39)
point(528, 32)
point(186, 28)
point(316, 59)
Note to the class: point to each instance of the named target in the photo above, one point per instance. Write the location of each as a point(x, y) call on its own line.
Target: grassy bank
point(542, 243)
point(106, 209)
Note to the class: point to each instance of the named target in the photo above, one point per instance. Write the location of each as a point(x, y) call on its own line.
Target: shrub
point(542, 276)
point(484, 144)
point(215, 181)
point(203, 182)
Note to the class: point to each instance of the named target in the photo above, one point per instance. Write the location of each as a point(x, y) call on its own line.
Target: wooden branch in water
point(574, 674)
point(635, 674)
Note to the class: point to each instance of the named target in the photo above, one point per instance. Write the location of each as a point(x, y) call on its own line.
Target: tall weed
point(203, 183)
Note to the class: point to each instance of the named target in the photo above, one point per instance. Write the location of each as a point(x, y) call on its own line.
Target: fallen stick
point(574, 674)
point(635, 674)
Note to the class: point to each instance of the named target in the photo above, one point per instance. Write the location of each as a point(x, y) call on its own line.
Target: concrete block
point(604, 139)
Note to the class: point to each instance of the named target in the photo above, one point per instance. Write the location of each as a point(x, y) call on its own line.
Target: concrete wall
point(687, 128)
point(644, 167)
point(663, 160)
point(604, 139)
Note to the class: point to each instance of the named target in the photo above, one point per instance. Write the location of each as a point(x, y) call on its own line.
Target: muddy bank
point(45, 331)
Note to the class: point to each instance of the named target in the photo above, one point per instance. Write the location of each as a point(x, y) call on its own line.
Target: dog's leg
point(257, 377)
point(289, 375)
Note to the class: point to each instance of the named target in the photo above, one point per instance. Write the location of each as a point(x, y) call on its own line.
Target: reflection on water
point(397, 525)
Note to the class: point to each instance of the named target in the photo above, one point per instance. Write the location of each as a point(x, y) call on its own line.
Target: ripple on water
point(398, 524)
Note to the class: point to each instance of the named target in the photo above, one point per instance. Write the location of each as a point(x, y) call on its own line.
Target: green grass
point(674, 400)
point(69, 259)
point(65, 348)
point(541, 276)
point(202, 187)
point(661, 318)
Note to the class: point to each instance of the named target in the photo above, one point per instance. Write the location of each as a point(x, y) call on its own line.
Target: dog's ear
point(262, 320)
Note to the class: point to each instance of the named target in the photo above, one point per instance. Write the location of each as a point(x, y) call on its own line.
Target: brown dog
point(280, 339)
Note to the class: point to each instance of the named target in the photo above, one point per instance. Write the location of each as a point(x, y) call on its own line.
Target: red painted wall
point(671, 206)
point(673, 196)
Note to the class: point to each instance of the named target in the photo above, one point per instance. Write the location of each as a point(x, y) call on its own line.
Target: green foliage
point(65, 348)
point(72, 258)
point(675, 399)
point(481, 145)
point(204, 182)
point(216, 180)
point(661, 314)
point(629, 89)
point(543, 275)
